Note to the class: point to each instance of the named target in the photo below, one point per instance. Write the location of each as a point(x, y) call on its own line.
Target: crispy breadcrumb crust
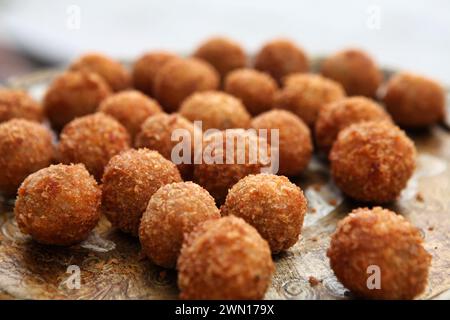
point(58, 205)
point(379, 237)
point(15, 103)
point(224, 259)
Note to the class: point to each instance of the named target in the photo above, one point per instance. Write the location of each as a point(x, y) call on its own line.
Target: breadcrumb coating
point(15, 103)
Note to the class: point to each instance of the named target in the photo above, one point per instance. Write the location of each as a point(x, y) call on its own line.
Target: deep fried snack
point(372, 161)
point(179, 78)
point(25, 147)
point(15, 103)
point(378, 240)
point(224, 259)
point(74, 94)
point(129, 181)
point(355, 70)
point(172, 212)
point(255, 89)
point(58, 205)
point(92, 140)
point(338, 115)
point(216, 110)
point(272, 204)
point(115, 74)
point(414, 101)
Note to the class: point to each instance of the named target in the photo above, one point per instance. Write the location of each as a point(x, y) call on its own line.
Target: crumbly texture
point(216, 110)
point(281, 57)
point(92, 140)
point(223, 54)
point(414, 101)
point(255, 89)
point(372, 161)
point(25, 147)
point(115, 75)
point(58, 205)
point(295, 145)
point(172, 212)
point(355, 70)
point(131, 108)
point(129, 181)
point(74, 94)
point(224, 259)
point(16, 103)
point(146, 67)
point(156, 134)
point(335, 116)
point(272, 204)
point(249, 154)
point(379, 237)
point(179, 78)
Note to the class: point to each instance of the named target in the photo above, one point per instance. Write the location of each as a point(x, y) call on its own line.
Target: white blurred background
point(413, 35)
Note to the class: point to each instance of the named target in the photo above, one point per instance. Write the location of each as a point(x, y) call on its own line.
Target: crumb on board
point(419, 197)
point(333, 202)
point(313, 210)
point(313, 281)
point(314, 239)
point(430, 228)
point(316, 186)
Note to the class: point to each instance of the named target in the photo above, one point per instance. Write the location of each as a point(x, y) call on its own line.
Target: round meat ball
point(58, 205)
point(228, 156)
point(74, 94)
point(216, 110)
point(156, 134)
point(131, 108)
point(414, 101)
point(223, 54)
point(379, 237)
point(305, 94)
point(172, 212)
point(338, 115)
point(224, 259)
point(146, 67)
point(295, 145)
point(272, 204)
point(179, 78)
point(255, 89)
point(16, 103)
point(25, 147)
point(92, 140)
point(355, 70)
point(115, 75)
point(281, 57)
point(129, 181)
point(372, 161)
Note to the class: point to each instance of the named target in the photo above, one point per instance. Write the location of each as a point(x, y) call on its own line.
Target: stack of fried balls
point(107, 148)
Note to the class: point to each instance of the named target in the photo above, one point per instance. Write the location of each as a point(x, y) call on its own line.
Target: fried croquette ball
point(179, 78)
point(216, 110)
point(305, 94)
point(228, 156)
point(223, 54)
point(25, 147)
point(372, 161)
point(74, 94)
point(338, 115)
point(281, 57)
point(156, 134)
point(271, 204)
point(224, 259)
point(379, 237)
point(414, 101)
point(129, 181)
point(58, 205)
point(146, 67)
point(131, 108)
point(16, 103)
point(172, 212)
point(115, 75)
point(295, 145)
point(255, 89)
point(355, 70)
point(92, 140)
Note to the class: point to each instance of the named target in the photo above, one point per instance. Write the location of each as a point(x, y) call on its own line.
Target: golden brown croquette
point(15, 103)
